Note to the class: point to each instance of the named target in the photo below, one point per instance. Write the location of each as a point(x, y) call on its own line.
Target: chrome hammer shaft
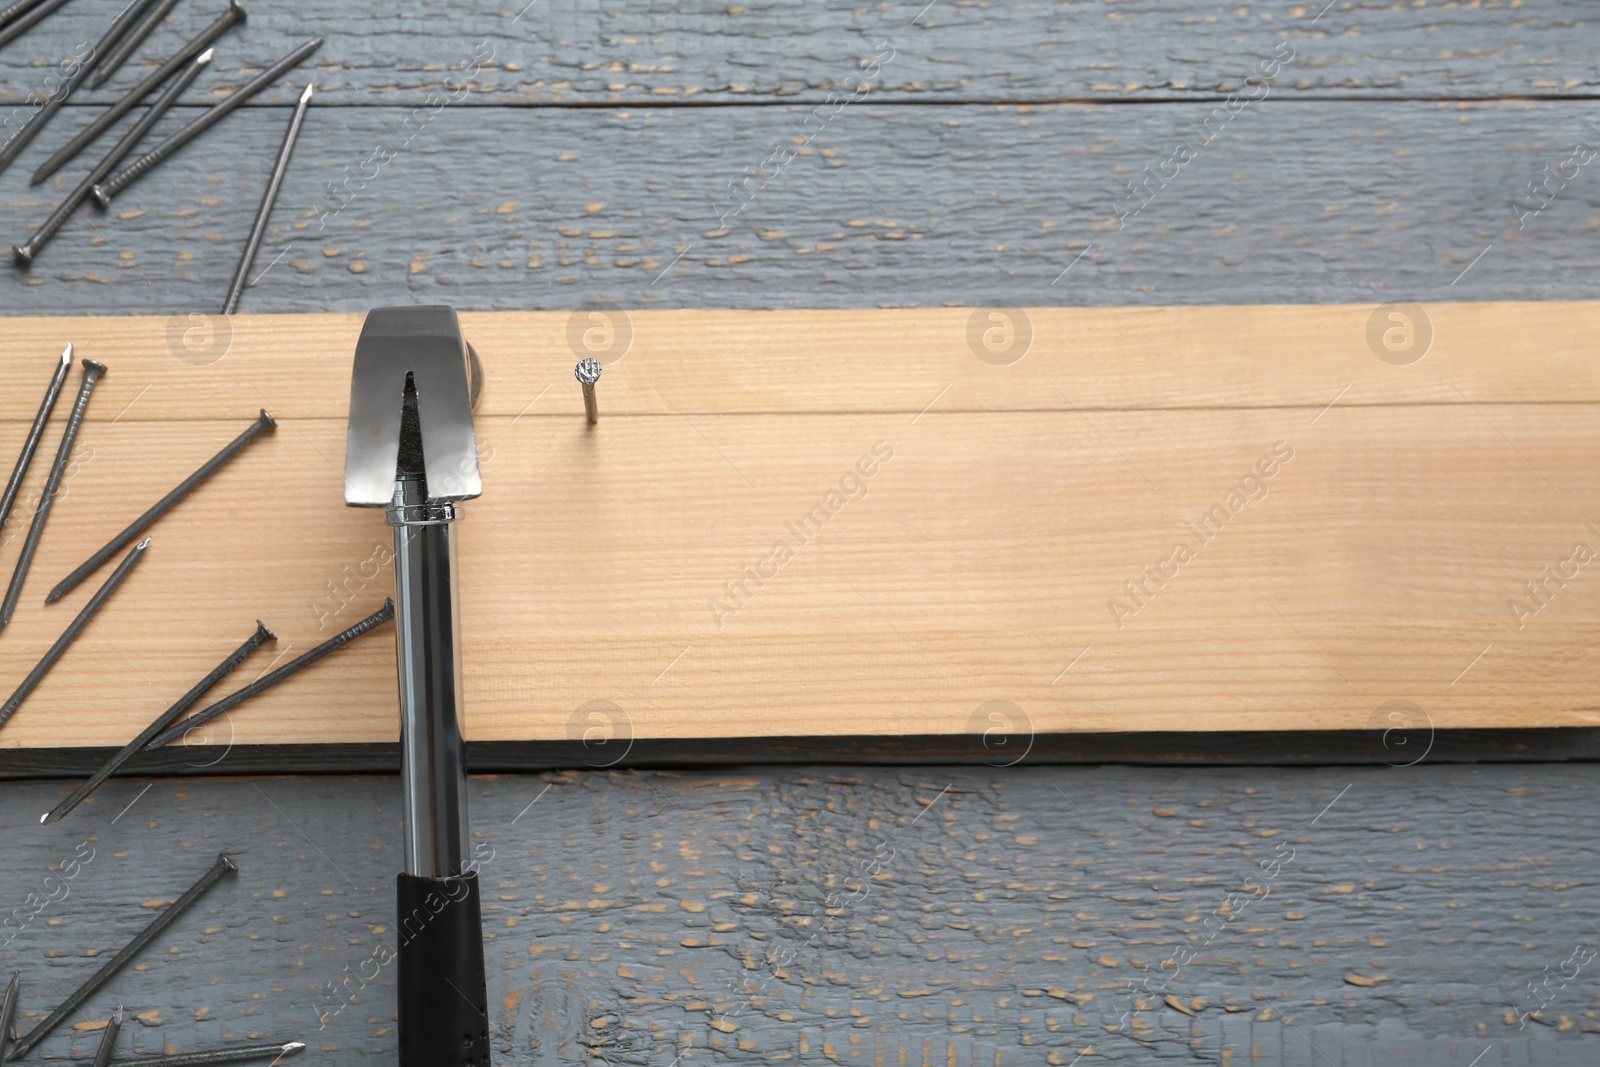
point(433, 777)
point(411, 449)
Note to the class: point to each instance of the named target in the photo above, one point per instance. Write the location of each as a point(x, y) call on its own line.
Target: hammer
point(411, 449)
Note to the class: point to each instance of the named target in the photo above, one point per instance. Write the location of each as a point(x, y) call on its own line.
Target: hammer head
point(411, 361)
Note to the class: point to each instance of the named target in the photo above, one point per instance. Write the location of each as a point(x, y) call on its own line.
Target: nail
point(27, 15)
point(262, 684)
point(92, 371)
point(31, 445)
point(162, 506)
point(108, 1040)
point(104, 191)
point(130, 43)
point(264, 212)
point(70, 634)
point(168, 916)
point(221, 1055)
point(206, 37)
point(11, 12)
point(164, 720)
point(8, 1013)
point(588, 372)
point(25, 252)
point(36, 122)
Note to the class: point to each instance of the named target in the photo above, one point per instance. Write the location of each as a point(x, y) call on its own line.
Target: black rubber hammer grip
point(444, 1005)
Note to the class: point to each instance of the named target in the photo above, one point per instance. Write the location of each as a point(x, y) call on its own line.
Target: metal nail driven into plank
point(263, 422)
point(70, 634)
point(36, 122)
point(201, 41)
point(30, 444)
point(168, 916)
point(27, 250)
point(161, 722)
point(264, 212)
point(92, 372)
point(104, 191)
point(131, 42)
point(261, 685)
point(588, 372)
point(239, 1054)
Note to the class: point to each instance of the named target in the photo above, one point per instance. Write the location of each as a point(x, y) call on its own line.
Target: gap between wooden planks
point(651, 576)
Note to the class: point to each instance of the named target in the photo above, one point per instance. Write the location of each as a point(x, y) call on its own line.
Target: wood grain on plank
point(789, 524)
point(700, 51)
point(826, 362)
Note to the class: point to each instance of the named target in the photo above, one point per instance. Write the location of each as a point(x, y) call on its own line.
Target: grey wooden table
point(686, 154)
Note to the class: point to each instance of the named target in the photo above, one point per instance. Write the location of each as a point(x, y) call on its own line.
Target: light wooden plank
point(829, 361)
point(984, 560)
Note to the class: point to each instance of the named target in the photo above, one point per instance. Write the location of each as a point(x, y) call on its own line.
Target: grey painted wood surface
point(592, 170)
point(706, 51)
point(629, 916)
point(912, 206)
point(631, 913)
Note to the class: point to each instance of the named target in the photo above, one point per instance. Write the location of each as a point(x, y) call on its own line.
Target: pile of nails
point(110, 176)
point(167, 727)
point(13, 1048)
